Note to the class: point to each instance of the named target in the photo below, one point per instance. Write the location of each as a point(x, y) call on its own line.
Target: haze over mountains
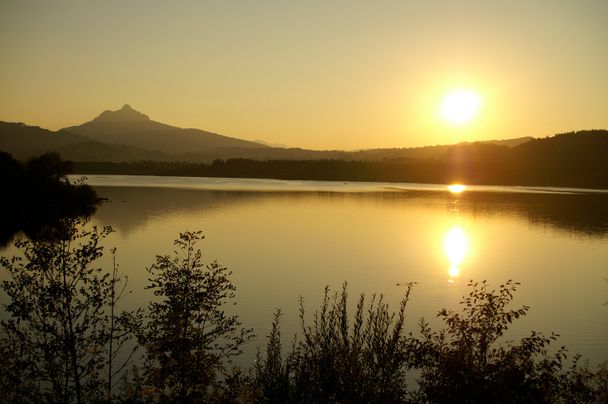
point(128, 135)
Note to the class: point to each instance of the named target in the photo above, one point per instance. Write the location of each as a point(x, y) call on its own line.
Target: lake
point(285, 239)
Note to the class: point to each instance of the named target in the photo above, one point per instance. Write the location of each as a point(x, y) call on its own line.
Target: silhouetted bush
point(336, 361)
point(465, 363)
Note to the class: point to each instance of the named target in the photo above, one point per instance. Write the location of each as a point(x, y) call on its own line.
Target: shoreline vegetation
point(66, 340)
point(39, 196)
point(64, 337)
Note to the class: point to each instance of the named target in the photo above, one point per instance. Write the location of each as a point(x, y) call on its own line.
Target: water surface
point(283, 239)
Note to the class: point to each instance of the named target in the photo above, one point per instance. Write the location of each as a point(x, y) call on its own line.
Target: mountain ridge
point(127, 135)
point(24, 142)
point(135, 129)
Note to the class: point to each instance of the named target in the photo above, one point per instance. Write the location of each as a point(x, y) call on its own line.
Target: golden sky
point(315, 74)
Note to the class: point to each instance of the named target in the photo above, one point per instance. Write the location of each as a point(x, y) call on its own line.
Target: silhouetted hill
point(576, 159)
point(24, 142)
point(132, 128)
point(278, 153)
point(129, 135)
point(510, 142)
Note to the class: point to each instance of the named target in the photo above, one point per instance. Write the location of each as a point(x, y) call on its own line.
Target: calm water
point(283, 239)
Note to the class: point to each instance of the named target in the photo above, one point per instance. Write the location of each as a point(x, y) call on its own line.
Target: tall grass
point(336, 360)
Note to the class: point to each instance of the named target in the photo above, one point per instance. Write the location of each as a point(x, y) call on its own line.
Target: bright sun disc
point(460, 106)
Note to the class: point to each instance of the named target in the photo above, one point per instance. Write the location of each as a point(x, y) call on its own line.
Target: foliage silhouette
point(60, 338)
point(464, 362)
point(55, 340)
point(38, 197)
point(188, 337)
point(336, 361)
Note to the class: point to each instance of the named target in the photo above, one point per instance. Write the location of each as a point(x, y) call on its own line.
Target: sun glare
point(460, 107)
point(456, 188)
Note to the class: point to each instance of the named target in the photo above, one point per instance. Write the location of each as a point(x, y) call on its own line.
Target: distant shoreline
point(279, 185)
point(468, 166)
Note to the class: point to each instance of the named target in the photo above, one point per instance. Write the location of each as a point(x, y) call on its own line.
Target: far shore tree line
point(65, 339)
point(568, 160)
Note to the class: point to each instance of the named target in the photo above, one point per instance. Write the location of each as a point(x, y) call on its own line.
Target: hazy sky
point(315, 74)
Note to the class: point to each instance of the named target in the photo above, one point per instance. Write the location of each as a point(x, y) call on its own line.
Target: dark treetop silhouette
point(38, 195)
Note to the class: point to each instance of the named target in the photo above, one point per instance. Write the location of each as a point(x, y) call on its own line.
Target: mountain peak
point(129, 127)
point(125, 114)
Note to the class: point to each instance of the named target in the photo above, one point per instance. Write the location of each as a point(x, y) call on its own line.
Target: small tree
point(58, 327)
point(188, 338)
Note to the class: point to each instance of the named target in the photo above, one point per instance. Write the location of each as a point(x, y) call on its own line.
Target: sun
point(460, 106)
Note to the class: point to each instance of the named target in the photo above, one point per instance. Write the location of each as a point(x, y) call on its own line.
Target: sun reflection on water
point(454, 272)
point(456, 246)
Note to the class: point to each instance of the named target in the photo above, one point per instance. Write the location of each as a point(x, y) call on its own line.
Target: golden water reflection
point(456, 246)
